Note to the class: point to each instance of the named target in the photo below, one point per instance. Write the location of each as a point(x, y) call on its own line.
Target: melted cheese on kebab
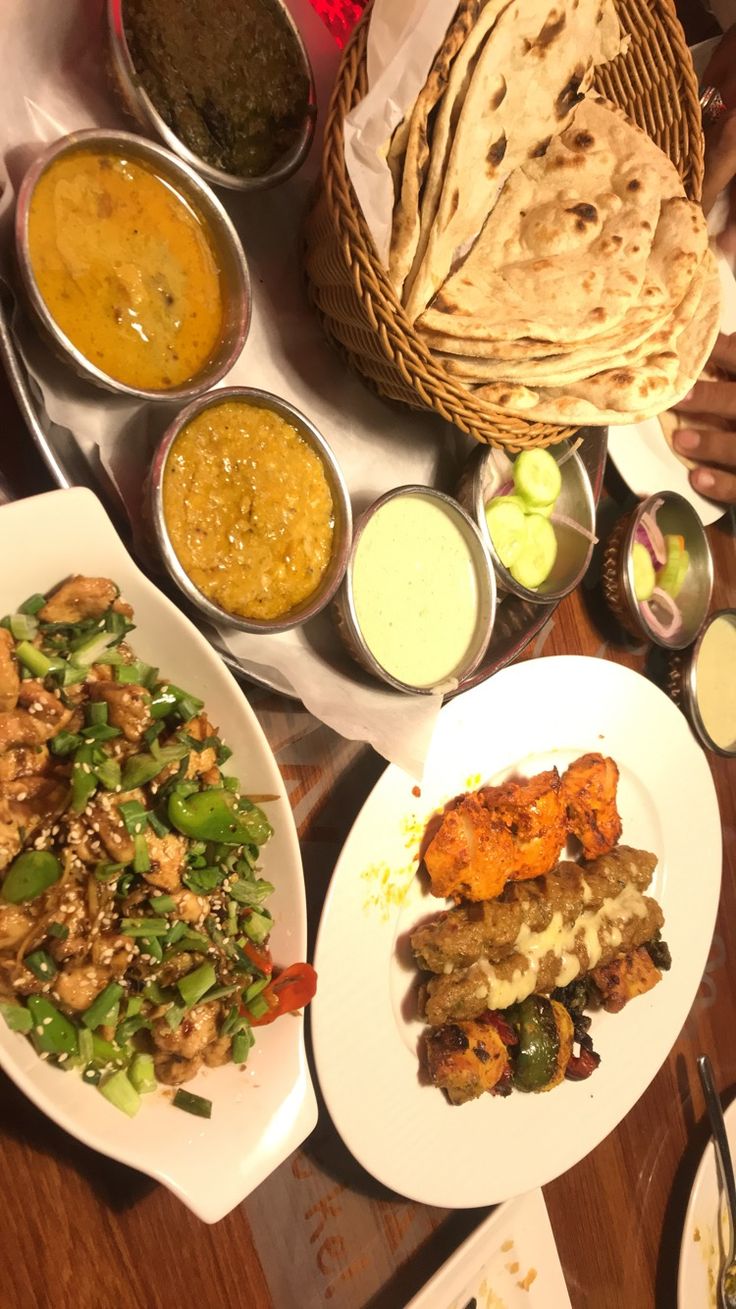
point(563, 926)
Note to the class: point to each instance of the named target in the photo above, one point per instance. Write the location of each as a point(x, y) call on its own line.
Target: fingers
point(724, 352)
point(720, 158)
point(708, 447)
point(714, 484)
point(721, 70)
point(717, 398)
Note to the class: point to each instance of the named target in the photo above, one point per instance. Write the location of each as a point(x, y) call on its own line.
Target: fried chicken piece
point(172, 1070)
point(166, 854)
point(15, 923)
point(589, 797)
point(626, 977)
point(465, 1059)
point(25, 805)
point(78, 987)
point(83, 597)
point(9, 675)
point(127, 706)
point(44, 707)
point(18, 727)
point(531, 810)
point(196, 1030)
point(515, 830)
point(103, 819)
point(22, 761)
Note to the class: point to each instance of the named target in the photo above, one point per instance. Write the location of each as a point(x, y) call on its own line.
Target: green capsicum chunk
point(52, 1032)
point(209, 816)
point(539, 1042)
point(32, 873)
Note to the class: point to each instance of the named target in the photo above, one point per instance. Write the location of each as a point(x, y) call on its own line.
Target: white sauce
point(560, 939)
point(716, 682)
point(416, 592)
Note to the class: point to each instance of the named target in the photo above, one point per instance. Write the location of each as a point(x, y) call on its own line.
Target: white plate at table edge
point(406, 1134)
point(641, 453)
point(260, 1115)
point(701, 1258)
point(514, 1243)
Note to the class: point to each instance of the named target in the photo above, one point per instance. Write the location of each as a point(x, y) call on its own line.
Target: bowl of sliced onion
point(536, 514)
point(658, 571)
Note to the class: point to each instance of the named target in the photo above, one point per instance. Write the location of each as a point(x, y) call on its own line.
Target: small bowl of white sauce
point(418, 600)
point(703, 682)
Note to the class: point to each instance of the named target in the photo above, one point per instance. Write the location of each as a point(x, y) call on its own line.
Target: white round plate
point(526, 718)
point(260, 1115)
point(641, 453)
point(705, 1233)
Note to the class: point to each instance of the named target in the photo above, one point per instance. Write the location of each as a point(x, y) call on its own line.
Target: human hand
point(720, 139)
point(711, 440)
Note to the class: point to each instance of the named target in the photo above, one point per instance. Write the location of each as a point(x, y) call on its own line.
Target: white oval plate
point(704, 1237)
point(259, 1116)
point(641, 453)
point(365, 1035)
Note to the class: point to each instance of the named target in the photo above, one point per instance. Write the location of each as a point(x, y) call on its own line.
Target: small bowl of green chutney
point(227, 87)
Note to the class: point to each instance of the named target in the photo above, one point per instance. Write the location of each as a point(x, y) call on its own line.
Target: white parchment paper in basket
point(403, 39)
point(54, 81)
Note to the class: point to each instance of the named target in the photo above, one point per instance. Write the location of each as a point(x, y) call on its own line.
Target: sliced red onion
point(569, 453)
point(505, 489)
point(662, 627)
point(651, 536)
point(563, 521)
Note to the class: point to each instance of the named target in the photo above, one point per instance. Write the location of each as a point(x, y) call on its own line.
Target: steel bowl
point(682, 684)
point(487, 470)
point(140, 106)
point(235, 278)
point(675, 516)
point(340, 498)
point(346, 618)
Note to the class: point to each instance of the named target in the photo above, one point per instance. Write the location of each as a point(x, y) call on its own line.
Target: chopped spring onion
point(153, 732)
point(257, 1007)
point(64, 743)
point(141, 858)
point(32, 604)
point(151, 948)
point(134, 1006)
point(35, 661)
point(156, 994)
point(84, 779)
point(52, 1032)
point(193, 1104)
point(86, 1045)
point(117, 623)
point(174, 1015)
point(101, 732)
point(121, 1093)
point(29, 875)
point(162, 904)
point(108, 872)
point(242, 1042)
point(223, 753)
point(194, 985)
point(41, 965)
point(156, 825)
point(142, 768)
point(203, 880)
point(101, 1010)
point(141, 1073)
point(162, 703)
point(128, 1028)
point(17, 1017)
point(92, 1076)
point(123, 887)
point(133, 815)
point(144, 926)
point(257, 926)
point(176, 932)
point(59, 930)
point(251, 893)
point(95, 713)
point(92, 648)
point(23, 626)
point(255, 989)
point(108, 774)
point(218, 993)
point(107, 1054)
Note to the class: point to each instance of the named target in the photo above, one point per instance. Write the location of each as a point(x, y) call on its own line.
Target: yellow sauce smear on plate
point(126, 268)
point(248, 510)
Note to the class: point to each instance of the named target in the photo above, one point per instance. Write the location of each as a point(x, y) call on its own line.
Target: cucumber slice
point(643, 569)
point(535, 562)
point(537, 478)
point(507, 527)
point(671, 577)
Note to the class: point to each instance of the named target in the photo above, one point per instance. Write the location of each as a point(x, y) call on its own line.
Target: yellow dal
point(248, 510)
point(126, 269)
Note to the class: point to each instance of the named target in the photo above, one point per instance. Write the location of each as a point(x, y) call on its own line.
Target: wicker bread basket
point(654, 83)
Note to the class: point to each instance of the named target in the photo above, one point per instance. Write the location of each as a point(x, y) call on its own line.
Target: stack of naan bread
point(542, 245)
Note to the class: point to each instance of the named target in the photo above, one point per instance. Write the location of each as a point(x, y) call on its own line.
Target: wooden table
point(81, 1231)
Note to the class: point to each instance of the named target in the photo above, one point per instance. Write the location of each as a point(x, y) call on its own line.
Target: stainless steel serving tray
point(517, 621)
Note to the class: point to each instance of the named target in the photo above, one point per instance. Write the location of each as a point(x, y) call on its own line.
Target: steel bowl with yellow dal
point(251, 511)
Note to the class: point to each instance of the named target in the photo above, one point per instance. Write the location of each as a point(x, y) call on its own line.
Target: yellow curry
point(248, 509)
point(126, 268)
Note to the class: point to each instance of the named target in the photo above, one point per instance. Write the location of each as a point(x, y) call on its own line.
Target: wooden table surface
point(79, 1230)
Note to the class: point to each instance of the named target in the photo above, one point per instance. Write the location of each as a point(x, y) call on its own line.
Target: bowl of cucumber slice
point(658, 571)
point(536, 514)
